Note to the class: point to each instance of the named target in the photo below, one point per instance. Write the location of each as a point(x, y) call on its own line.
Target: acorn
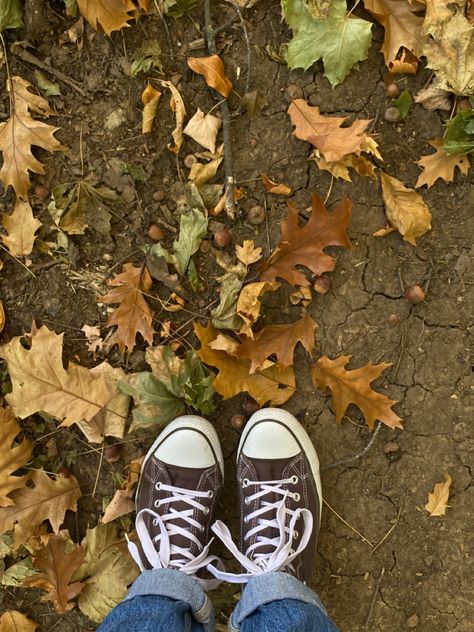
point(392, 90)
point(238, 422)
point(112, 453)
point(322, 284)
point(415, 294)
point(155, 232)
point(42, 192)
point(256, 215)
point(190, 160)
point(65, 472)
point(392, 114)
point(159, 196)
point(205, 246)
point(250, 406)
point(222, 237)
point(294, 92)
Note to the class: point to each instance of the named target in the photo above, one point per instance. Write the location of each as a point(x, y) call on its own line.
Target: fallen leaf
point(2, 316)
point(94, 340)
point(275, 385)
point(212, 69)
point(107, 15)
point(304, 246)
point(301, 296)
point(248, 304)
point(434, 98)
point(200, 173)
point(56, 568)
point(274, 187)
point(278, 340)
point(133, 315)
point(405, 209)
point(150, 99)
point(14, 621)
point(440, 165)
point(10, 16)
point(123, 503)
point(47, 87)
point(20, 133)
point(21, 227)
point(340, 169)
point(12, 457)
point(224, 315)
point(247, 253)
point(16, 573)
point(177, 106)
point(146, 57)
point(438, 499)
point(353, 387)
point(459, 133)
point(325, 132)
point(47, 499)
point(203, 128)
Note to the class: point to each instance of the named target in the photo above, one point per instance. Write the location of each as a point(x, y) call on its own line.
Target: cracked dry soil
point(429, 573)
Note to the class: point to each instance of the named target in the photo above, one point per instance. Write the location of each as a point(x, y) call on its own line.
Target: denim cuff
point(168, 582)
point(267, 588)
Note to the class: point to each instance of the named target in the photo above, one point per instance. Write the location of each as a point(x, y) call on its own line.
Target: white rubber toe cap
point(270, 440)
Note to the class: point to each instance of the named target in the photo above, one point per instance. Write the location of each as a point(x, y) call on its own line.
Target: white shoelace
point(160, 551)
point(281, 557)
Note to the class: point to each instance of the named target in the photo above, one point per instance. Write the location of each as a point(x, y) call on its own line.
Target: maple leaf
point(438, 499)
point(212, 69)
point(40, 382)
point(278, 340)
point(11, 458)
point(203, 128)
point(405, 209)
point(108, 15)
point(14, 621)
point(177, 106)
point(325, 132)
point(247, 253)
point(133, 315)
point(56, 568)
point(21, 227)
point(304, 246)
point(275, 385)
point(440, 165)
point(353, 387)
point(150, 98)
point(123, 503)
point(47, 499)
point(20, 133)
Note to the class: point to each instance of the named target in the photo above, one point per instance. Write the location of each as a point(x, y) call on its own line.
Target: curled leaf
point(177, 106)
point(150, 99)
point(212, 69)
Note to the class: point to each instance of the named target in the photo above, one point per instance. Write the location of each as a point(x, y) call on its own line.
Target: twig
point(226, 25)
point(390, 530)
point(18, 261)
point(165, 24)
point(347, 524)
point(355, 456)
point(98, 470)
point(374, 598)
point(249, 55)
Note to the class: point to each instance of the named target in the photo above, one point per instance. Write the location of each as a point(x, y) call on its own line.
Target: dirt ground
point(424, 565)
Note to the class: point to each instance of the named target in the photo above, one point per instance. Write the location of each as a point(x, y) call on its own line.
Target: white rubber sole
point(300, 434)
point(196, 423)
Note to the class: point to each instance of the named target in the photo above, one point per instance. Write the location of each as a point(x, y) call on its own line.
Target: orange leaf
point(304, 246)
point(122, 503)
point(150, 98)
point(14, 621)
point(274, 187)
point(133, 314)
point(438, 500)
point(12, 458)
point(212, 69)
point(107, 15)
point(440, 165)
point(353, 387)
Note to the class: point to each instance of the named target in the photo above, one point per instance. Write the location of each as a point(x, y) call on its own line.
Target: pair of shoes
point(280, 499)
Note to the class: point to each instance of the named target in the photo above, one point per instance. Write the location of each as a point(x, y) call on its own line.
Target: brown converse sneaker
point(180, 480)
point(280, 498)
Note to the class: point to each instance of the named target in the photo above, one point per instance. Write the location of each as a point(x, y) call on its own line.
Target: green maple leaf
point(340, 39)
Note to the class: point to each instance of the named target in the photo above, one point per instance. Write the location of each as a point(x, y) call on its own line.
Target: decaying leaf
point(16, 573)
point(247, 253)
point(177, 106)
point(94, 339)
point(146, 57)
point(440, 165)
point(248, 304)
point(212, 69)
point(438, 499)
point(405, 209)
point(56, 568)
point(14, 621)
point(224, 315)
point(353, 387)
point(275, 385)
point(274, 187)
point(107, 15)
point(434, 98)
point(133, 315)
point(122, 503)
point(47, 499)
point(304, 246)
point(12, 457)
point(340, 169)
point(20, 133)
point(150, 99)
point(21, 227)
point(203, 129)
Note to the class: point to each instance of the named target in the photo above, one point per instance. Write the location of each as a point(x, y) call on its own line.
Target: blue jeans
point(167, 600)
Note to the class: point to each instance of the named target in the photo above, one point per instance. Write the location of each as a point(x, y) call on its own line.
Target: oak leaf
point(440, 165)
point(108, 15)
point(278, 340)
point(325, 132)
point(177, 106)
point(133, 315)
point(47, 499)
point(20, 133)
point(212, 69)
point(203, 128)
point(406, 210)
point(57, 566)
point(353, 387)
point(123, 501)
point(438, 499)
point(304, 246)
point(11, 458)
point(275, 385)
point(41, 383)
point(150, 99)
point(14, 621)
point(21, 227)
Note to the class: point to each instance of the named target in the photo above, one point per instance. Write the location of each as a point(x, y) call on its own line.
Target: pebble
point(391, 446)
point(115, 119)
point(412, 621)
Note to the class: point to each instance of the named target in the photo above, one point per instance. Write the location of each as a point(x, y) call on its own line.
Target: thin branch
point(358, 455)
point(374, 598)
point(249, 55)
point(347, 524)
point(399, 513)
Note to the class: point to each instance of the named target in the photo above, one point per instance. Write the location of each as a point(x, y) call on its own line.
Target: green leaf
point(340, 39)
point(459, 135)
point(47, 87)
point(403, 103)
point(177, 8)
point(148, 56)
point(193, 277)
point(15, 574)
point(224, 316)
point(71, 7)
point(10, 15)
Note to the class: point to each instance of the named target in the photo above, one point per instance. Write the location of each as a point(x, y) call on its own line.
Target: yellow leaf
point(248, 304)
point(440, 165)
point(14, 621)
point(21, 227)
point(405, 209)
point(108, 15)
point(203, 129)
point(248, 253)
point(212, 69)
point(122, 503)
point(177, 106)
point(12, 458)
point(438, 499)
point(150, 98)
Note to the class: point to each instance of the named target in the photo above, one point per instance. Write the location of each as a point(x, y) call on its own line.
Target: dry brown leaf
point(301, 296)
point(304, 246)
point(2, 316)
point(406, 64)
point(150, 99)
point(440, 165)
point(56, 569)
point(20, 133)
point(21, 227)
point(340, 169)
point(40, 382)
point(274, 385)
point(325, 132)
point(107, 15)
point(405, 209)
point(248, 304)
point(200, 172)
point(48, 499)
point(94, 339)
point(212, 69)
point(122, 503)
point(278, 340)
point(434, 98)
point(14, 621)
point(438, 499)
point(274, 187)
point(203, 128)
point(353, 387)
point(248, 253)
point(11, 458)
point(133, 315)
point(177, 106)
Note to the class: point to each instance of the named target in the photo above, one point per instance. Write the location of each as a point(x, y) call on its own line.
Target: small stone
point(412, 621)
point(115, 119)
point(390, 447)
point(159, 196)
point(429, 560)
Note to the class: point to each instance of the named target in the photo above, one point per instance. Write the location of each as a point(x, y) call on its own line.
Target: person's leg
point(181, 477)
point(280, 504)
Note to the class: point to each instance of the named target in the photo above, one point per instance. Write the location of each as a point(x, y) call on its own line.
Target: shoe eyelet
point(210, 494)
point(247, 500)
point(206, 511)
point(202, 528)
point(295, 480)
point(245, 482)
point(158, 486)
point(295, 535)
point(296, 497)
point(157, 503)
